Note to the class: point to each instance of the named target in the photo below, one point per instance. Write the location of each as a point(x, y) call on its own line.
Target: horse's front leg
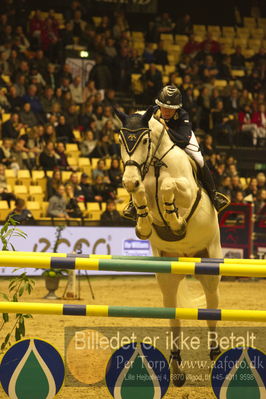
point(144, 218)
point(175, 193)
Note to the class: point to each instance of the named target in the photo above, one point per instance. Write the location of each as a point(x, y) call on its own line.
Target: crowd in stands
point(45, 105)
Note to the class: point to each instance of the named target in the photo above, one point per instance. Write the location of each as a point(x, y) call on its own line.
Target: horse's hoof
point(215, 352)
point(142, 236)
point(179, 380)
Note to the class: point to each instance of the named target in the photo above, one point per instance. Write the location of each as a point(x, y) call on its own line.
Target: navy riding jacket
point(179, 127)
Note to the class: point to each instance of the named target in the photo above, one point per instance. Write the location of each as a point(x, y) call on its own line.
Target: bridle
point(145, 165)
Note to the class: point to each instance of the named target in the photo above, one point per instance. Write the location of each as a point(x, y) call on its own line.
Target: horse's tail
point(188, 298)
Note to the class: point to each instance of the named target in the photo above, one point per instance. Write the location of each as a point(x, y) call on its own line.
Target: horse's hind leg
point(169, 285)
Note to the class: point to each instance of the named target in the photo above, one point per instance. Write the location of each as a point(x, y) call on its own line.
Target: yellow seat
point(137, 36)
point(168, 37)
point(93, 211)
point(36, 193)
point(10, 176)
point(84, 165)
point(214, 30)
point(169, 69)
point(199, 29)
point(249, 21)
point(4, 210)
point(238, 73)
point(242, 32)
point(21, 191)
point(254, 44)
point(72, 150)
point(49, 173)
point(241, 41)
point(228, 31)
point(77, 134)
point(227, 40)
point(66, 175)
point(72, 162)
point(257, 33)
point(220, 83)
point(5, 117)
point(262, 23)
point(136, 83)
point(44, 207)
point(24, 177)
point(97, 21)
point(181, 39)
point(34, 207)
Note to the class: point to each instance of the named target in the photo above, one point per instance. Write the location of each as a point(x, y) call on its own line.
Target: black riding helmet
point(169, 97)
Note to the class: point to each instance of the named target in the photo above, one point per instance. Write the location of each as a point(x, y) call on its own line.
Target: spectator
point(27, 117)
point(184, 25)
point(239, 197)
point(100, 170)
point(48, 158)
point(260, 201)
point(5, 194)
point(102, 189)
point(88, 145)
point(245, 125)
point(52, 183)
point(214, 46)
point(62, 160)
point(225, 187)
point(72, 206)
point(237, 59)
point(63, 131)
point(111, 216)
point(32, 98)
point(50, 77)
point(207, 146)
point(152, 81)
point(191, 47)
point(49, 134)
point(160, 54)
point(47, 99)
point(148, 54)
point(57, 204)
point(261, 179)
point(86, 189)
point(115, 174)
point(6, 157)
point(252, 188)
point(122, 70)
point(11, 128)
point(76, 90)
point(13, 99)
point(259, 119)
point(20, 213)
point(100, 74)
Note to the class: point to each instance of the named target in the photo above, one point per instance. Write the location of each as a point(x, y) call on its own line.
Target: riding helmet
point(169, 97)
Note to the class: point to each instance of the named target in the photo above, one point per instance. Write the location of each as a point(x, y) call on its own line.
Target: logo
point(32, 368)
point(137, 370)
point(132, 137)
point(240, 373)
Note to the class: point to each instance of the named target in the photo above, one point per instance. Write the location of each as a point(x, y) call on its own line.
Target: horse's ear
point(148, 114)
point(121, 115)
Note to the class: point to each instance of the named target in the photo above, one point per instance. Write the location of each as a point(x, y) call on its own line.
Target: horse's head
point(135, 143)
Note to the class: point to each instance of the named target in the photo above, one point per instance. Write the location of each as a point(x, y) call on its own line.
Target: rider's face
point(167, 113)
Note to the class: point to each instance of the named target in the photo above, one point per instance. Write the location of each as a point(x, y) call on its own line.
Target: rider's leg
point(219, 200)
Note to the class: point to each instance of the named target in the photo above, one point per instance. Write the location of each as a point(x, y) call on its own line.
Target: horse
point(173, 211)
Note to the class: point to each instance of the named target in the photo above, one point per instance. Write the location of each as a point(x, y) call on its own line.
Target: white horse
point(173, 211)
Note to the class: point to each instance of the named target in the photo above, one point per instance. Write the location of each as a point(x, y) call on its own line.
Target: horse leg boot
point(168, 188)
point(144, 218)
point(169, 285)
point(210, 286)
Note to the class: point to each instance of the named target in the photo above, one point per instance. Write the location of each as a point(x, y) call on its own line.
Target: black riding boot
point(219, 200)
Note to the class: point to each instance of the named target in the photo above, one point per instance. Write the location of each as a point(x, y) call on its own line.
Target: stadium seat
point(122, 194)
point(136, 83)
point(228, 31)
point(254, 44)
point(66, 175)
point(220, 83)
point(96, 21)
point(36, 193)
point(77, 134)
point(139, 36)
point(242, 32)
point(35, 208)
point(199, 29)
point(72, 150)
point(181, 40)
point(4, 210)
point(21, 191)
point(257, 33)
point(5, 117)
point(240, 41)
point(227, 41)
point(72, 162)
point(10, 176)
point(249, 22)
point(44, 206)
point(169, 69)
point(262, 23)
point(214, 30)
point(93, 211)
point(84, 164)
point(238, 73)
point(168, 37)
point(24, 177)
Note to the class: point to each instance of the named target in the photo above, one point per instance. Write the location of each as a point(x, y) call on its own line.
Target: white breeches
point(193, 150)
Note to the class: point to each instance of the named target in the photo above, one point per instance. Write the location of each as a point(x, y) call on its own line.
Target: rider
point(176, 119)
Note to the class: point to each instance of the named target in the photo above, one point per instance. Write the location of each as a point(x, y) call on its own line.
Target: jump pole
point(146, 258)
point(140, 312)
point(178, 267)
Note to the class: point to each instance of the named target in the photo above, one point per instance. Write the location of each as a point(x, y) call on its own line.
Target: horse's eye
point(145, 141)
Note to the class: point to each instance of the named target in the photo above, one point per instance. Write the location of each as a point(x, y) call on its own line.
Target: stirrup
point(220, 201)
